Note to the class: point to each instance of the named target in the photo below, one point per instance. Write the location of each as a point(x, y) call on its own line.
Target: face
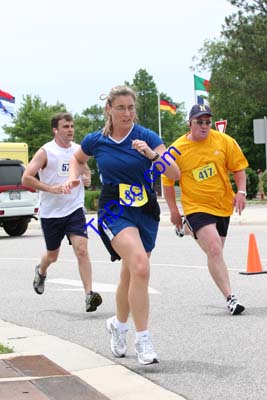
point(64, 132)
point(122, 112)
point(200, 127)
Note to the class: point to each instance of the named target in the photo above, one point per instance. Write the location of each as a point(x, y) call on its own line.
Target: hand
point(56, 189)
point(239, 202)
point(142, 147)
point(86, 180)
point(176, 219)
point(70, 184)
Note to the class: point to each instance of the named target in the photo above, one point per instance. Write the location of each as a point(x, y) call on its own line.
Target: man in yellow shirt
point(207, 157)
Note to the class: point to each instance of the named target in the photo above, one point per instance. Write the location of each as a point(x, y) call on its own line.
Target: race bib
point(205, 172)
point(63, 168)
point(133, 196)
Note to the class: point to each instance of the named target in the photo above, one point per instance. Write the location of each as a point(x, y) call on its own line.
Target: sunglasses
point(202, 121)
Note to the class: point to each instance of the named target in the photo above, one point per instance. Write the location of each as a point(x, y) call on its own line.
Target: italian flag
point(201, 84)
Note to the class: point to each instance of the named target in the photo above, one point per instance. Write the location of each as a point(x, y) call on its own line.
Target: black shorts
point(55, 229)
point(196, 221)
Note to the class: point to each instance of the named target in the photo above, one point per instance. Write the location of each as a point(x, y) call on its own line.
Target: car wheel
point(15, 228)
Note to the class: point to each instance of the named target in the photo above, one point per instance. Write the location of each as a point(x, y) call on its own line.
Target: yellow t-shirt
point(205, 167)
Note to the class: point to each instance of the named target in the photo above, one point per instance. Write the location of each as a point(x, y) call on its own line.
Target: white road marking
point(97, 286)
point(109, 262)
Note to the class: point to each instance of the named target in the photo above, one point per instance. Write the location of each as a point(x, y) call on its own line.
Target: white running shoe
point(118, 338)
point(145, 351)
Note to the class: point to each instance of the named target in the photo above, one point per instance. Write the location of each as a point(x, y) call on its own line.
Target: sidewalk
point(253, 214)
point(45, 367)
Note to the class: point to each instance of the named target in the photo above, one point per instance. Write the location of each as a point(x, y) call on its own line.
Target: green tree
point(238, 67)
point(92, 119)
point(32, 123)
point(172, 126)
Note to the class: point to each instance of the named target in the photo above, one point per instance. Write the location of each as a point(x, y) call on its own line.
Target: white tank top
point(56, 173)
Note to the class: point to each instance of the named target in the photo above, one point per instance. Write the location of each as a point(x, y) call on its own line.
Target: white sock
point(122, 326)
point(140, 334)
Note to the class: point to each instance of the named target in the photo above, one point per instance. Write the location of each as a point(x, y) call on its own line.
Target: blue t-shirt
point(118, 162)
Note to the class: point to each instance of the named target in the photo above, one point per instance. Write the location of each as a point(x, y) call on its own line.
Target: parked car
point(18, 204)
point(15, 151)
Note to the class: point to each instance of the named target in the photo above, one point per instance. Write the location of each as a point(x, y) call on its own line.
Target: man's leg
point(209, 240)
point(41, 270)
point(47, 259)
point(79, 244)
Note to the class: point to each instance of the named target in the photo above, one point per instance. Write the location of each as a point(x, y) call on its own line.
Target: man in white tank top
point(61, 215)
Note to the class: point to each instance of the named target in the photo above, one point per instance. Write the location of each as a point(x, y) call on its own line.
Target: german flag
point(167, 106)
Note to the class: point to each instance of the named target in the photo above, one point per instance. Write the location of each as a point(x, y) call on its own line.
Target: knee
point(215, 249)
point(82, 252)
point(51, 258)
point(141, 267)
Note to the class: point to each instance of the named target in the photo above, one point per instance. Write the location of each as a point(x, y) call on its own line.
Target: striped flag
point(7, 97)
point(202, 100)
point(201, 84)
point(167, 106)
point(4, 110)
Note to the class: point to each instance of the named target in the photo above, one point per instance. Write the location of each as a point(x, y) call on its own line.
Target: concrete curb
point(112, 380)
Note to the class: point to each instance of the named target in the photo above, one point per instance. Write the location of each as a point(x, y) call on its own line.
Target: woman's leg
point(134, 277)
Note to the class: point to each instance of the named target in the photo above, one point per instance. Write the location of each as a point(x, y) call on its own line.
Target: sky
point(72, 52)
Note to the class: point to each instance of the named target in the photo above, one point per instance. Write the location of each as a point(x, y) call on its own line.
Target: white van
point(18, 204)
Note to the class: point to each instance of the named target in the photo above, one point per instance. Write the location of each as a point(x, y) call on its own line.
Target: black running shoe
point(39, 281)
point(234, 306)
point(92, 301)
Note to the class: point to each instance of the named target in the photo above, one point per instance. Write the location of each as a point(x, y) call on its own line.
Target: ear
point(108, 108)
point(189, 124)
point(55, 130)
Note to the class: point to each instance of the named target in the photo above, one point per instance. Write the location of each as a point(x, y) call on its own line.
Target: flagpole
point(159, 114)
point(161, 192)
point(195, 92)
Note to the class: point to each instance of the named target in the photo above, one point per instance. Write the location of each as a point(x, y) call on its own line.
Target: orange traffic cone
point(253, 262)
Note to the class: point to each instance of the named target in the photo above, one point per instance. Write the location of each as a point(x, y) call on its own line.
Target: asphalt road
point(205, 353)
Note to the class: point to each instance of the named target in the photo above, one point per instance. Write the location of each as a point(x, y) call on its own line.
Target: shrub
point(252, 183)
point(91, 199)
point(264, 182)
point(5, 349)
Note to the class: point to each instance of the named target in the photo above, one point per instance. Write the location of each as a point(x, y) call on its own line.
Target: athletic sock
point(140, 334)
point(122, 326)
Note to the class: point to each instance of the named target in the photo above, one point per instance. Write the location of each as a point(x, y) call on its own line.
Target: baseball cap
point(198, 110)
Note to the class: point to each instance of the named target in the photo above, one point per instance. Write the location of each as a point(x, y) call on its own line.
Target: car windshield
point(11, 174)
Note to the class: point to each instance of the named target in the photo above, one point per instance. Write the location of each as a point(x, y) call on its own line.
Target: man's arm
point(86, 175)
point(170, 197)
point(77, 162)
point(38, 162)
point(240, 180)
point(240, 196)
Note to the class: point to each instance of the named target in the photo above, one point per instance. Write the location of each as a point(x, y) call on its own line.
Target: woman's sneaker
point(39, 281)
point(145, 351)
point(118, 338)
point(233, 305)
point(92, 301)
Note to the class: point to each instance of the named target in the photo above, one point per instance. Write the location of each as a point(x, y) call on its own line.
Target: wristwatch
point(242, 192)
point(155, 157)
